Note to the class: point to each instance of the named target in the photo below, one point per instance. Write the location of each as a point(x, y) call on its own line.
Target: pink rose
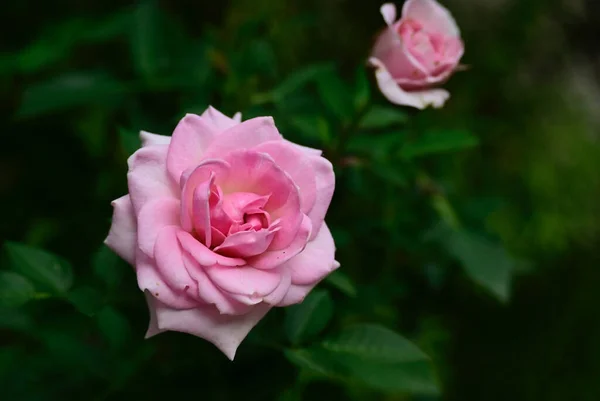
point(223, 221)
point(420, 50)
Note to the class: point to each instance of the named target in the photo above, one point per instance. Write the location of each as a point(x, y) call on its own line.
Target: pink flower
point(418, 51)
point(223, 221)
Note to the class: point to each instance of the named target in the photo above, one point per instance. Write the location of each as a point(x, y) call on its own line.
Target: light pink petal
point(257, 173)
point(295, 294)
point(224, 331)
point(154, 216)
point(388, 12)
point(209, 292)
point(150, 139)
point(316, 261)
point(246, 243)
point(282, 289)
point(191, 138)
point(272, 259)
point(305, 149)
point(203, 255)
point(219, 120)
point(245, 135)
point(325, 179)
point(297, 165)
point(244, 280)
point(237, 204)
point(392, 91)
point(432, 15)
point(201, 176)
point(150, 280)
point(122, 237)
point(147, 177)
point(168, 255)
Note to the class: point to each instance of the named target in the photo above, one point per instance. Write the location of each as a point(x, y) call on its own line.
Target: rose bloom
point(223, 221)
point(415, 53)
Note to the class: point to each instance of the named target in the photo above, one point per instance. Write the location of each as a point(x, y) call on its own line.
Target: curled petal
point(219, 120)
point(305, 149)
point(432, 15)
point(147, 178)
point(149, 139)
point(244, 280)
point(316, 261)
point(394, 93)
point(295, 294)
point(168, 255)
point(191, 138)
point(150, 280)
point(282, 289)
point(388, 12)
point(298, 166)
point(203, 255)
point(226, 332)
point(154, 216)
point(244, 244)
point(245, 135)
point(122, 237)
point(272, 259)
point(325, 184)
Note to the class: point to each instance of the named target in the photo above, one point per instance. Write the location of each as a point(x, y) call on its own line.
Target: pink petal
point(316, 261)
point(257, 173)
point(297, 165)
point(224, 331)
point(150, 280)
point(154, 216)
point(219, 120)
point(394, 93)
point(209, 292)
point(244, 280)
point(168, 255)
point(246, 243)
point(203, 255)
point(325, 180)
point(201, 176)
point(282, 289)
point(305, 149)
point(191, 138)
point(388, 12)
point(150, 139)
point(295, 294)
point(237, 204)
point(272, 259)
point(122, 237)
point(147, 177)
point(433, 16)
point(245, 135)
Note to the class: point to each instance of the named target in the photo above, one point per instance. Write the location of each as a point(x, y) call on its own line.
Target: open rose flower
point(415, 53)
point(223, 221)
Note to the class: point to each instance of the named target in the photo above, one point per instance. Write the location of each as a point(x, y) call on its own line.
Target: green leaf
point(114, 326)
point(87, 300)
point(439, 142)
point(108, 267)
point(374, 342)
point(15, 319)
point(379, 117)
point(15, 290)
point(312, 127)
point(342, 282)
point(379, 145)
point(362, 89)
point(307, 319)
point(130, 140)
point(68, 91)
point(373, 355)
point(299, 79)
point(48, 271)
point(486, 263)
point(336, 95)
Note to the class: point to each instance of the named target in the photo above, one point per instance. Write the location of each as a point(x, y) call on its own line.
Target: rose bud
point(416, 53)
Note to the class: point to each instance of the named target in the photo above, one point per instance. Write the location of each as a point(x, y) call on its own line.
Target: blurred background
point(505, 301)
